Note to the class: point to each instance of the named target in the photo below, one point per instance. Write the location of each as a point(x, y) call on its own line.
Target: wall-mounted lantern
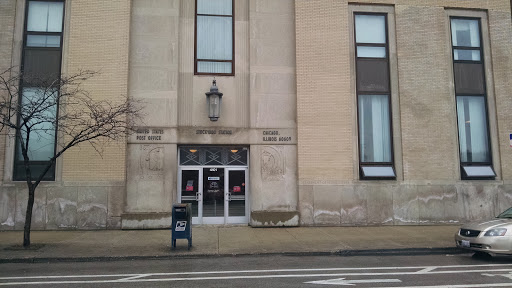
point(214, 101)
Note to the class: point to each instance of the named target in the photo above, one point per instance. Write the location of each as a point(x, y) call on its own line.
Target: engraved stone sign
point(151, 162)
point(272, 163)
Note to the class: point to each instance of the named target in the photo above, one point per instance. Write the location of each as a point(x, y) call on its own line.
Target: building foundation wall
point(64, 206)
point(408, 203)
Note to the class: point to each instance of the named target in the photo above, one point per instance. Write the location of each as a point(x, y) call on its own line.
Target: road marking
point(342, 281)
point(169, 279)
point(278, 275)
point(509, 275)
point(458, 286)
point(125, 280)
point(430, 268)
point(136, 277)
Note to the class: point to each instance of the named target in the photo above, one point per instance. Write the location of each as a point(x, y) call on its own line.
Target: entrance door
point(236, 195)
point(190, 184)
point(214, 200)
point(218, 195)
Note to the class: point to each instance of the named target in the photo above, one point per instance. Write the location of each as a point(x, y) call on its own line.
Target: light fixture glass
point(214, 102)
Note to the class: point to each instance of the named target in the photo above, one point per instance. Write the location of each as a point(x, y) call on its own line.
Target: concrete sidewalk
point(224, 240)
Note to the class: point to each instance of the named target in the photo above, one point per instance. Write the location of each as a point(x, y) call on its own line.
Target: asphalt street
point(440, 271)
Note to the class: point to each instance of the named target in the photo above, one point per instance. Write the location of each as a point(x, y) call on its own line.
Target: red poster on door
point(236, 189)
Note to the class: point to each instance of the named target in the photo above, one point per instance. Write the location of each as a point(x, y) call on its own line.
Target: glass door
point(190, 184)
point(236, 195)
point(214, 202)
point(218, 195)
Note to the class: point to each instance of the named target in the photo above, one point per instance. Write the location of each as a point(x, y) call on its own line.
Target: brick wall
point(326, 120)
point(7, 21)
point(324, 101)
point(500, 33)
point(98, 40)
point(427, 105)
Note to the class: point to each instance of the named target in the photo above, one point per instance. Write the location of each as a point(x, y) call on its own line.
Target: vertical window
point(373, 96)
point(42, 52)
point(214, 43)
point(471, 98)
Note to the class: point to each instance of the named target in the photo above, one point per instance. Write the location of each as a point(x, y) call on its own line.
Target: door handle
point(198, 196)
point(229, 196)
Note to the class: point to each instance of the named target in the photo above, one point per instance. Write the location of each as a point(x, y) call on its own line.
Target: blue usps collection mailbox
point(181, 223)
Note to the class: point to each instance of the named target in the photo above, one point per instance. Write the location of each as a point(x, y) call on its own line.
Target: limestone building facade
point(334, 112)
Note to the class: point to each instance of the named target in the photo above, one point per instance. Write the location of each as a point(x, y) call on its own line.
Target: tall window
point(373, 96)
point(41, 63)
point(470, 91)
point(214, 43)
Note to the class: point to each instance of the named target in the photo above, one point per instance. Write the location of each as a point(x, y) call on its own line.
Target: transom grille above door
point(213, 155)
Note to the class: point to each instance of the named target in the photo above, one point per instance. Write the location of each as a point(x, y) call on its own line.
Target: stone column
point(151, 161)
point(273, 166)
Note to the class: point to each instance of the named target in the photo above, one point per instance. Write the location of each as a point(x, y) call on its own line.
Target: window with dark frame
point(373, 96)
point(471, 99)
point(40, 66)
point(214, 37)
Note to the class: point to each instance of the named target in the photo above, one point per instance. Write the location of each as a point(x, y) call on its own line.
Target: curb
point(403, 252)
point(342, 253)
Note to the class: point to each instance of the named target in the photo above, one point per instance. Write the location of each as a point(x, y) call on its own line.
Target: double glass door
point(218, 194)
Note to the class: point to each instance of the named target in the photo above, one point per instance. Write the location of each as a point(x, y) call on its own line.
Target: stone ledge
point(157, 220)
point(274, 218)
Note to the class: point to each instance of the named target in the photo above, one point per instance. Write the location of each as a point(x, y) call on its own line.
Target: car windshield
point(506, 214)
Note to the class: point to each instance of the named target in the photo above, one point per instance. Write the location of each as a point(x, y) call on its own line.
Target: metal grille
point(213, 156)
point(469, 233)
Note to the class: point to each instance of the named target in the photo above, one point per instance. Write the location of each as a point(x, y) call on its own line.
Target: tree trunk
point(28, 217)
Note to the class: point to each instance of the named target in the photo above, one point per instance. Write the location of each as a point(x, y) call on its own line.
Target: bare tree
point(58, 111)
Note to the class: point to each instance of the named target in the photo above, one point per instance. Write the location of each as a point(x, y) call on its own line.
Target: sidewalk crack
point(294, 237)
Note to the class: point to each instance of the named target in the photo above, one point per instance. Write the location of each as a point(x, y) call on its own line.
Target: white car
point(492, 236)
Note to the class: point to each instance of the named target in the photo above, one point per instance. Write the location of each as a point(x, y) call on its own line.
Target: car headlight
point(496, 232)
